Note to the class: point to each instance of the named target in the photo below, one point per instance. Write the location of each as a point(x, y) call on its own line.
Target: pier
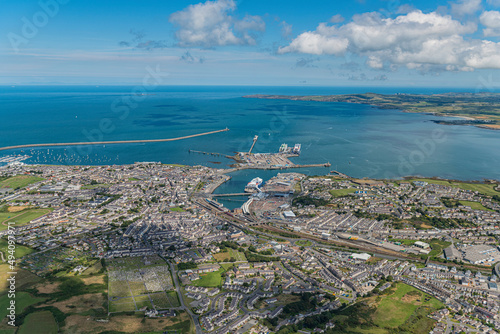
point(211, 153)
point(112, 142)
point(345, 176)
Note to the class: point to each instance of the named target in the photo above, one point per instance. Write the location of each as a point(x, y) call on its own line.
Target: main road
point(111, 142)
point(181, 300)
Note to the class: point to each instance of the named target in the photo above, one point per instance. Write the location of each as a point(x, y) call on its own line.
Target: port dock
point(345, 176)
point(242, 167)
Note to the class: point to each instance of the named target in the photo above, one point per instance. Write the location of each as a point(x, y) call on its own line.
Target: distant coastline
point(480, 110)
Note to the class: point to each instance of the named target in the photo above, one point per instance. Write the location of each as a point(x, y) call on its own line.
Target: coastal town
point(302, 254)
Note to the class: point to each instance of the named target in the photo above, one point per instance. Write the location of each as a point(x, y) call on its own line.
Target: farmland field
point(212, 279)
point(486, 189)
point(394, 309)
point(20, 250)
point(19, 181)
point(40, 323)
point(23, 300)
point(23, 278)
point(402, 309)
point(342, 192)
point(231, 253)
point(475, 205)
point(21, 218)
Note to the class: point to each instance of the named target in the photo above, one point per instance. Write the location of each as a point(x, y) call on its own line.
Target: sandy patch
point(491, 126)
point(93, 280)
point(78, 324)
point(412, 299)
point(48, 288)
point(82, 324)
point(17, 208)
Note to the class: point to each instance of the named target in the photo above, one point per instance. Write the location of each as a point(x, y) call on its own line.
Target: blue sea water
point(359, 140)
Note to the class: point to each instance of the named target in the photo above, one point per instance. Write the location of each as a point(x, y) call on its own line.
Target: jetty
point(112, 142)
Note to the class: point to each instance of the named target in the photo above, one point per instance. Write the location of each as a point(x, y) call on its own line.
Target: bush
point(186, 265)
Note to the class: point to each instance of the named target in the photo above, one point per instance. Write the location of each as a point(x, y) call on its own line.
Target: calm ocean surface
point(358, 140)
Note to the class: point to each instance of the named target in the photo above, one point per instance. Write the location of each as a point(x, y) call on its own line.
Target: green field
point(161, 300)
point(39, 323)
point(177, 209)
point(19, 252)
point(21, 217)
point(122, 305)
point(212, 279)
point(181, 327)
point(94, 269)
point(475, 205)
point(485, 189)
point(231, 253)
point(23, 300)
point(165, 299)
point(342, 192)
point(227, 266)
point(304, 243)
point(8, 331)
point(400, 309)
point(143, 301)
point(393, 310)
point(19, 181)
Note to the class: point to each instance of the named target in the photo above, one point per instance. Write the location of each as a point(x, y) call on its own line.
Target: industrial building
point(481, 254)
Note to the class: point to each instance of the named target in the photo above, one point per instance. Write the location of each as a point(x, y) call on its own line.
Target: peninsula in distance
point(479, 109)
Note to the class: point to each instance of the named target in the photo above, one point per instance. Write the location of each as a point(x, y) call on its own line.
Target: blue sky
point(252, 42)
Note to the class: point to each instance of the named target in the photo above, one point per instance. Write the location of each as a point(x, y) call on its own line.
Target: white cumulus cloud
point(210, 24)
point(491, 20)
point(416, 40)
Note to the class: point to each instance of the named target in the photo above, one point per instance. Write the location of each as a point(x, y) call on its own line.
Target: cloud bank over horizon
point(415, 40)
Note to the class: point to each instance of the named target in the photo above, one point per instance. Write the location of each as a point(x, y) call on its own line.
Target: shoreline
point(231, 170)
point(369, 99)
